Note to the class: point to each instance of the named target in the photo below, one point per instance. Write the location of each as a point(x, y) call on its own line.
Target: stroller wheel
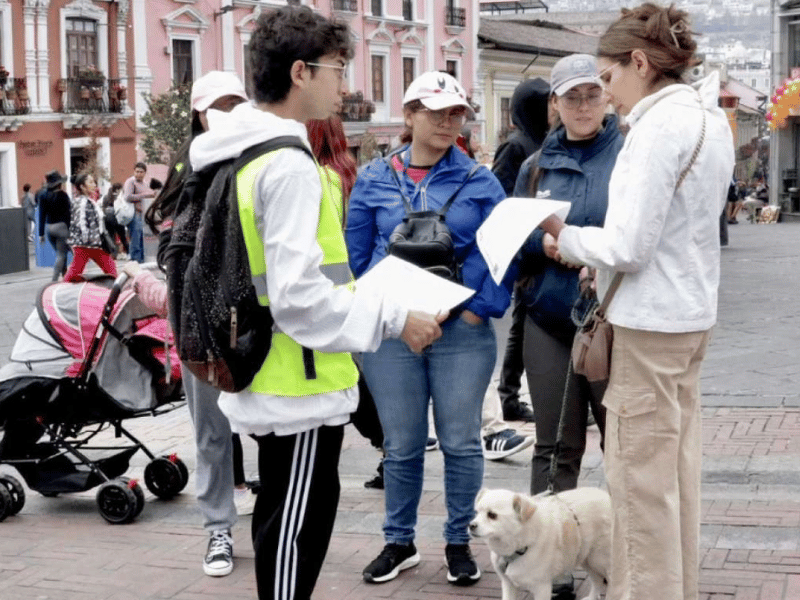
point(163, 477)
point(117, 502)
point(5, 503)
point(137, 491)
point(17, 492)
point(183, 470)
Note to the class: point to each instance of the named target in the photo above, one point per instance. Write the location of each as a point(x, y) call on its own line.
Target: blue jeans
point(454, 374)
point(137, 238)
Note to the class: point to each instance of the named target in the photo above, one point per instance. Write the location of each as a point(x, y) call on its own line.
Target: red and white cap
point(437, 90)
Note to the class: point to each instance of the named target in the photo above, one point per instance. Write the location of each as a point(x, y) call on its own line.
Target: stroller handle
point(122, 279)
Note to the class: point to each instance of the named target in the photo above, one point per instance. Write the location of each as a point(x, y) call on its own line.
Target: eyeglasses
point(341, 68)
point(604, 81)
point(437, 117)
point(593, 99)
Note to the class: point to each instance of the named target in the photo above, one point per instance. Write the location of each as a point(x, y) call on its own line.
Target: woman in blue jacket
point(455, 372)
point(575, 165)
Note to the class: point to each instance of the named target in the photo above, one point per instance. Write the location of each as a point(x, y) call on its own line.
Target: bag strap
point(283, 141)
point(407, 203)
point(615, 282)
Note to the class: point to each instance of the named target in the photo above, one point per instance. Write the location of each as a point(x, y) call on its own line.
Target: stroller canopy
point(56, 338)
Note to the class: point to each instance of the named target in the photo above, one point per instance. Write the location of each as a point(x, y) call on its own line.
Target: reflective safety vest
point(290, 369)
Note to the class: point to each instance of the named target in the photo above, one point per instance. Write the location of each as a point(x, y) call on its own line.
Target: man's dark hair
point(26, 187)
point(140, 165)
point(288, 34)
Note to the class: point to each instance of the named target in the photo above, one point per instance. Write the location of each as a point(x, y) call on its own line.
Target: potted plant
point(3, 76)
point(11, 93)
point(22, 88)
point(122, 93)
point(90, 75)
point(61, 85)
point(84, 92)
point(97, 93)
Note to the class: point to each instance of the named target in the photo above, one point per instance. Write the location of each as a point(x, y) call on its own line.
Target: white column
point(29, 21)
point(122, 41)
point(430, 42)
point(228, 62)
point(141, 68)
point(43, 58)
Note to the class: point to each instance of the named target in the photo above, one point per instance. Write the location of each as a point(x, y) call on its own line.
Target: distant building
point(785, 143)
point(64, 80)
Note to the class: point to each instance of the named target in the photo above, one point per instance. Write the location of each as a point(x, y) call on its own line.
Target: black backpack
point(222, 333)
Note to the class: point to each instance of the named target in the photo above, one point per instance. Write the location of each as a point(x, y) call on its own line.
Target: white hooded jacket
point(665, 241)
point(304, 303)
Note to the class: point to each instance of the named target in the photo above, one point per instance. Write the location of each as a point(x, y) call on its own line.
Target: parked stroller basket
point(89, 357)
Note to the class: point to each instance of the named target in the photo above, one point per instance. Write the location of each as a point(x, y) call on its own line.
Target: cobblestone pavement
point(61, 549)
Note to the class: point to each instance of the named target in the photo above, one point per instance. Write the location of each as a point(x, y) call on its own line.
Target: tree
point(91, 155)
point(166, 124)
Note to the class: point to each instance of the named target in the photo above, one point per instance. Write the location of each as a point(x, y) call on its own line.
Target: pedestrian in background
point(54, 218)
point(28, 204)
point(87, 231)
point(454, 372)
point(115, 230)
point(136, 191)
point(530, 111)
point(661, 231)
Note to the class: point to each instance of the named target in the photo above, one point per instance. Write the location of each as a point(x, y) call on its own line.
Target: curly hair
point(288, 34)
point(663, 34)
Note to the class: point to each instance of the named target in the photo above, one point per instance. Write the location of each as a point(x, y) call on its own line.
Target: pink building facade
point(395, 40)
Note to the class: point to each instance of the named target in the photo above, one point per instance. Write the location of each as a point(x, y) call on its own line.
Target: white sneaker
point(245, 501)
point(219, 556)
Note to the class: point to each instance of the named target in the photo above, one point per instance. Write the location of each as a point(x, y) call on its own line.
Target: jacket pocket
point(631, 432)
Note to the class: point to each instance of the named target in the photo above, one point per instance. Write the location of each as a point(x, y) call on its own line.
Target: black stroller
point(88, 357)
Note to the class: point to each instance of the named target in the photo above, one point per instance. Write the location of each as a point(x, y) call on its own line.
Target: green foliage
point(166, 124)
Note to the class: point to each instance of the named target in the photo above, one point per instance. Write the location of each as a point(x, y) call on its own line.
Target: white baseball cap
point(215, 85)
point(437, 90)
point(573, 70)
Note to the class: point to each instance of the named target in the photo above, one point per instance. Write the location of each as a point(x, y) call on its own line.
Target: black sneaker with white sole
point(219, 556)
point(504, 443)
point(392, 559)
point(461, 567)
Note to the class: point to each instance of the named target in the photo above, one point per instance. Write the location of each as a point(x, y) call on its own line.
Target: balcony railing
point(346, 5)
point(455, 17)
point(14, 96)
point(355, 108)
point(84, 96)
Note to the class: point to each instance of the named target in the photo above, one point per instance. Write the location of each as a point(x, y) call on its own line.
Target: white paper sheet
point(506, 229)
point(413, 287)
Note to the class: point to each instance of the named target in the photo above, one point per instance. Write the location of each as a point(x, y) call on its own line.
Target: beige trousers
point(653, 452)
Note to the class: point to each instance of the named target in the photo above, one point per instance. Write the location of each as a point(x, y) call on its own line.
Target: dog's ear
point(523, 507)
point(481, 492)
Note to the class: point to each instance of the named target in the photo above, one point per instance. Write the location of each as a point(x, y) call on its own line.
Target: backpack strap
point(283, 141)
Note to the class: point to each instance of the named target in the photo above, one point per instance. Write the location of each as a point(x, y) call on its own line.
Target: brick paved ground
point(61, 549)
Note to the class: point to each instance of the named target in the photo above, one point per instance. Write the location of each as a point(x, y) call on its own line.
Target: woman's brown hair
point(663, 34)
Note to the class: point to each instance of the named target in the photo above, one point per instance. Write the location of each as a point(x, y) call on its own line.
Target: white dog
point(535, 539)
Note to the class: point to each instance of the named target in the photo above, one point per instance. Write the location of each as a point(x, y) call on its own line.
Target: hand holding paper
point(413, 287)
point(506, 229)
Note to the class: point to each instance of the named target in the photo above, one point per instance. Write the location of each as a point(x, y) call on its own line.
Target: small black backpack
point(222, 333)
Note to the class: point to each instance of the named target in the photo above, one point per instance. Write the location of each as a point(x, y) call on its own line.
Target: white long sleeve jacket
point(304, 303)
point(665, 241)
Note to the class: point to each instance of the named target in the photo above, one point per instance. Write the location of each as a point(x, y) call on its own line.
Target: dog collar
point(507, 560)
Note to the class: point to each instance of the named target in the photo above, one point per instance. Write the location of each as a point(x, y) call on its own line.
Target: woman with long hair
point(661, 233)
point(54, 217)
point(453, 373)
point(329, 145)
point(222, 491)
point(86, 231)
point(112, 225)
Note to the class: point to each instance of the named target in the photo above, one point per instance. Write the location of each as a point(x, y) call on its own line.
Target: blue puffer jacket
point(375, 209)
point(555, 287)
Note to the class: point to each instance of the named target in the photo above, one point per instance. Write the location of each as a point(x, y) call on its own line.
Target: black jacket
point(529, 116)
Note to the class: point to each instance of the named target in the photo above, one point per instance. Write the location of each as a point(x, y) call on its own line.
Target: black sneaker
point(504, 443)
point(461, 567)
point(219, 556)
point(514, 410)
point(392, 559)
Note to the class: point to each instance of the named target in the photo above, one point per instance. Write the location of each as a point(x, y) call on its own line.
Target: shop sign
point(36, 147)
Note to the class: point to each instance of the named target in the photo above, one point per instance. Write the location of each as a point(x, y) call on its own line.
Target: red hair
point(329, 144)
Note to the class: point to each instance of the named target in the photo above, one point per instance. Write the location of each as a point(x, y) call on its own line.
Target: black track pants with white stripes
point(295, 510)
